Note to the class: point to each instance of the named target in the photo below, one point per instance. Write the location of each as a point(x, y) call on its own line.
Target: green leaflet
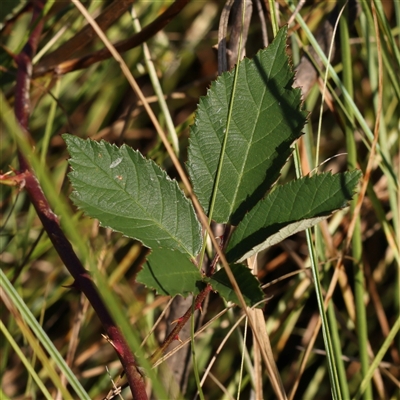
point(169, 273)
point(291, 208)
point(132, 195)
point(248, 284)
point(266, 120)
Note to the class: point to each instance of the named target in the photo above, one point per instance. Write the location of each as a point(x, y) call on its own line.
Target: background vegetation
point(357, 250)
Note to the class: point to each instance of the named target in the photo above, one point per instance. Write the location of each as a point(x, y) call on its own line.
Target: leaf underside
point(290, 208)
point(132, 195)
point(266, 120)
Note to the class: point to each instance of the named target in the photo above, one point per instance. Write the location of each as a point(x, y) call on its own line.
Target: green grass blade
point(357, 251)
point(49, 126)
point(131, 336)
point(386, 165)
point(193, 350)
point(157, 86)
point(41, 335)
point(378, 358)
point(25, 361)
point(332, 367)
point(337, 351)
point(394, 47)
point(58, 202)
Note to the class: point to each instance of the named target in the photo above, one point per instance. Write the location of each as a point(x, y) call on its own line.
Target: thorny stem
point(50, 221)
point(181, 322)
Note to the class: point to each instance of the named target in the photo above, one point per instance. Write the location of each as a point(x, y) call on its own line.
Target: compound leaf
point(266, 120)
point(290, 208)
point(132, 195)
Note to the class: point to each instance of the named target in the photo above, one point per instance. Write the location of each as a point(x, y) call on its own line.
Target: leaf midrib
point(240, 172)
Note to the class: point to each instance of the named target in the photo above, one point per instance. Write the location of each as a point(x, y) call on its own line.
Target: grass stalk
point(357, 250)
point(392, 231)
point(116, 310)
point(274, 20)
point(326, 328)
point(157, 86)
point(386, 165)
point(378, 358)
point(49, 125)
point(193, 350)
point(29, 367)
point(333, 374)
point(337, 351)
point(26, 317)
